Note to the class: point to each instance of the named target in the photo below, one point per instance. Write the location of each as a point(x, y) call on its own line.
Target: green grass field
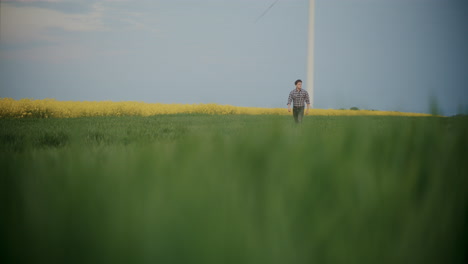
point(234, 189)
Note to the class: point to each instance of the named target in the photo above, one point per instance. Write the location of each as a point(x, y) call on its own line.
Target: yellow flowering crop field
point(46, 108)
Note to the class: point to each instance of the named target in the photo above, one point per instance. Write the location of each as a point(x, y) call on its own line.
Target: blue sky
point(373, 54)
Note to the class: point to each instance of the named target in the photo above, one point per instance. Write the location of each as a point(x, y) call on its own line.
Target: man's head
point(298, 84)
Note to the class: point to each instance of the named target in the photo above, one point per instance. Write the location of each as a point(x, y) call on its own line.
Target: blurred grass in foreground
point(234, 189)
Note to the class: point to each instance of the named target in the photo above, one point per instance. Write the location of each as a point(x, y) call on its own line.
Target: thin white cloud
point(25, 24)
point(32, 1)
point(32, 33)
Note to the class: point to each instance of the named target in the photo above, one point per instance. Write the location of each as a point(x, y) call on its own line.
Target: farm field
point(195, 188)
point(25, 108)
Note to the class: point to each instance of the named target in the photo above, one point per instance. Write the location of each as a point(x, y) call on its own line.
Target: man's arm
point(307, 102)
point(289, 102)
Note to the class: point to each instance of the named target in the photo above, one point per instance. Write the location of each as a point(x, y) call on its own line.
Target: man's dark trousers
point(298, 113)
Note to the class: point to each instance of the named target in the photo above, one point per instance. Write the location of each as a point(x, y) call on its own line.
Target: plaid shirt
point(298, 97)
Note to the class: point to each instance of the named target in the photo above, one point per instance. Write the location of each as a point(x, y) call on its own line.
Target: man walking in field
point(298, 96)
